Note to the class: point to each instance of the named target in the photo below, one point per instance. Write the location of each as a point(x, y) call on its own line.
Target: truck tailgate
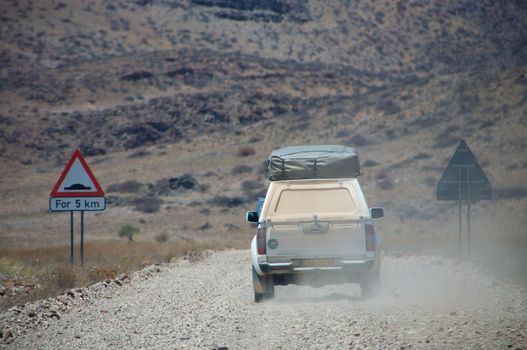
point(312, 239)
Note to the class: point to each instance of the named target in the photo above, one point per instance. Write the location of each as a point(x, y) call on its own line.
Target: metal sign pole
point(460, 211)
point(468, 211)
point(82, 237)
point(460, 228)
point(468, 226)
point(71, 237)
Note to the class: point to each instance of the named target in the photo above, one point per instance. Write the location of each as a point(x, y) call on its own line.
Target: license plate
point(316, 263)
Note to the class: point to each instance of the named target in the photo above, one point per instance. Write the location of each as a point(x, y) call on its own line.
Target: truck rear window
point(312, 201)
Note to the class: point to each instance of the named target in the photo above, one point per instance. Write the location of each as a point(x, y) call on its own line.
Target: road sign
point(463, 178)
point(77, 189)
point(77, 180)
point(77, 203)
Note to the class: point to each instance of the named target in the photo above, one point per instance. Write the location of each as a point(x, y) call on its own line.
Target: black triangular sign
point(463, 178)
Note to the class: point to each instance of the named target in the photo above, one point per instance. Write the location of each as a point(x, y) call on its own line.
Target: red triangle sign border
point(77, 155)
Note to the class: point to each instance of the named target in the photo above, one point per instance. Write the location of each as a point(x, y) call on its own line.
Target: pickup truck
point(314, 232)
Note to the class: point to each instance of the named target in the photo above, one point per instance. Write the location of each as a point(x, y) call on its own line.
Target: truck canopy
point(313, 162)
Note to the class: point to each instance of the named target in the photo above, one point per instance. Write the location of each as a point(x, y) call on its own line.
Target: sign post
point(77, 189)
point(71, 237)
point(463, 180)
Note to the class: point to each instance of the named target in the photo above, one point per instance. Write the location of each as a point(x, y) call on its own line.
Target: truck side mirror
point(376, 213)
point(251, 216)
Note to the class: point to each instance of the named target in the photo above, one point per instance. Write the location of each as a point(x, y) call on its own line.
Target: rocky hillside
point(114, 75)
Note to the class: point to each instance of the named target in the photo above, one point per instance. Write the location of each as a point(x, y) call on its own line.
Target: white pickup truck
point(314, 232)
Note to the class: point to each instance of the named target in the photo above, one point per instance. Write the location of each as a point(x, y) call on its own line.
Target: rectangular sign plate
point(77, 203)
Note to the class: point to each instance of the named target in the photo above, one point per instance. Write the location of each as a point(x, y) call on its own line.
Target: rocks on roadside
point(6, 334)
point(16, 286)
point(53, 314)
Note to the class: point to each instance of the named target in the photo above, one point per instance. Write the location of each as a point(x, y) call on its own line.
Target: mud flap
point(370, 283)
point(261, 284)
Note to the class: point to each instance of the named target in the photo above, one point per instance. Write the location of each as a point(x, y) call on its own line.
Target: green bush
point(128, 231)
point(161, 237)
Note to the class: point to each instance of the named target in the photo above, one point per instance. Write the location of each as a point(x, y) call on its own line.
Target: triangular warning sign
point(463, 178)
point(77, 180)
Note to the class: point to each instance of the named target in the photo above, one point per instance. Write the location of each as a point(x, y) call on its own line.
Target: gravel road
point(207, 303)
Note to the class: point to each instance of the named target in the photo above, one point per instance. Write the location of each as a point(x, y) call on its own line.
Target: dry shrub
point(147, 204)
point(358, 141)
point(131, 186)
point(64, 277)
point(241, 169)
point(513, 192)
point(430, 181)
point(387, 106)
point(103, 259)
point(369, 162)
point(254, 188)
point(246, 151)
point(251, 185)
point(139, 154)
point(161, 237)
point(100, 273)
point(255, 138)
point(384, 180)
point(227, 202)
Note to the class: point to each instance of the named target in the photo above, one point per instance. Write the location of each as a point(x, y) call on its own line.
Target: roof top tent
point(313, 162)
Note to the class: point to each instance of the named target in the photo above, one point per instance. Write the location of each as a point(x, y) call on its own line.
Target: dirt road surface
point(207, 303)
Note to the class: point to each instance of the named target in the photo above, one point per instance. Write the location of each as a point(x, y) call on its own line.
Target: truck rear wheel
point(263, 287)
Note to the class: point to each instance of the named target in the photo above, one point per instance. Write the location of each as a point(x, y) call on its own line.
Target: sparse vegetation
point(128, 231)
point(147, 204)
point(369, 163)
point(447, 138)
point(388, 106)
point(136, 76)
point(358, 141)
point(130, 186)
point(430, 181)
point(253, 188)
point(384, 180)
point(467, 103)
point(64, 277)
point(241, 169)
point(139, 154)
point(44, 272)
point(246, 151)
point(161, 237)
point(513, 192)
point(101, 273)
point(226, 201)
point(185, 181)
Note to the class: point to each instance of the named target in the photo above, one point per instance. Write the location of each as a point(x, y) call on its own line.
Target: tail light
point(370, 238)
point(260, 240)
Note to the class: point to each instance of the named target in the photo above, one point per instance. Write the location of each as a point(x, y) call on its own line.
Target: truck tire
point(263, 287)
point(370, 283)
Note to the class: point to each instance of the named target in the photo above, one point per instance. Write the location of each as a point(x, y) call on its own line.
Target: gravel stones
point(207, 303)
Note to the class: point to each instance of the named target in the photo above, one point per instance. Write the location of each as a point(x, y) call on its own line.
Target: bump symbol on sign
point(77, 180)
point(77, 187)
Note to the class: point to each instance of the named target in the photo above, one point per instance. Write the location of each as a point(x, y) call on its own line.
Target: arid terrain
point(176, 105)
point(427, 303)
